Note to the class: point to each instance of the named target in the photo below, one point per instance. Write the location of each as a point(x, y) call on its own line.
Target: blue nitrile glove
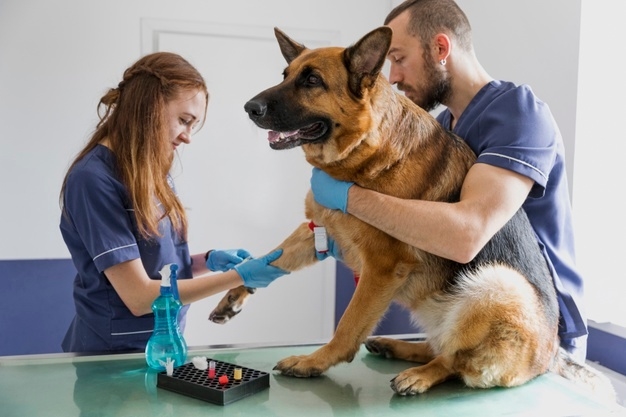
point(223, 260)
point(329, 192)
point(258, 273)
point(333, 250)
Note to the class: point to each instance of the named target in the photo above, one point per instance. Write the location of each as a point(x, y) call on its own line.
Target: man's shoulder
point(507, 89)
point(511, 99)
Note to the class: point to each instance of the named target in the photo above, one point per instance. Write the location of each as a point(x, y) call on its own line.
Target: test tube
point(211, 369)
point(237, 375)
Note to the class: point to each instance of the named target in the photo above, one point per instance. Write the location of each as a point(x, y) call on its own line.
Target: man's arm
point(490, 196)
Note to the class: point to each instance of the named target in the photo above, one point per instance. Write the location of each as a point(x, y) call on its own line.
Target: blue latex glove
point(333, 250)
point(223, 260)
point(258, 273)
point(330, 192)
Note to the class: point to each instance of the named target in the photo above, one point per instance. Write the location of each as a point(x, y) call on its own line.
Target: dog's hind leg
point(418, 379)
point(421, 378)
point(414, 380)
point(419, 352)
point(475, 329)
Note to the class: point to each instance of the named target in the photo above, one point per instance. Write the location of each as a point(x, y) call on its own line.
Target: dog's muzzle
point(255, 109)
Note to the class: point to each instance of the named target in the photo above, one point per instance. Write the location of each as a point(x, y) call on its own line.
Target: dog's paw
point(231, 304)
point(299, 366)
point(379, 346)
point(410, 382)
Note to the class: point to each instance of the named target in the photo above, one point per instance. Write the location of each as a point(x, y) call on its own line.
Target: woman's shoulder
point(97, 165)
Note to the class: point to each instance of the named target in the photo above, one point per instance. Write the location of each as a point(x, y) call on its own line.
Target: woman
point(122, 220)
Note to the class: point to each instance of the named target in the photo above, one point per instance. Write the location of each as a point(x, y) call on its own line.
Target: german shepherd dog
point(491, 322)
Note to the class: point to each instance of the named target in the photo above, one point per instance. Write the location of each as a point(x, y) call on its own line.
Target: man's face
point(416, 72)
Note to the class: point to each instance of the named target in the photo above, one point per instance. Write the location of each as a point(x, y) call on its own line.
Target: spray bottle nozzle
point(168, 278)
point(165, 275)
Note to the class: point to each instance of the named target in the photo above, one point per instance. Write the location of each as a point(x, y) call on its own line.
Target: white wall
point(58, 58)
point(599, 203)
point(55, 65)
point(532, 42)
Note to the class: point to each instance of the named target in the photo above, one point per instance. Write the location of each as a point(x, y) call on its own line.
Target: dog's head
point(323, 103)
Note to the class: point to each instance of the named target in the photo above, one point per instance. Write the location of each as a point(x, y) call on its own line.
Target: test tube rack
point(193, 382)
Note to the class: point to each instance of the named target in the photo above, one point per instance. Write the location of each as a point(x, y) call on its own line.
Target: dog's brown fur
point(492, 322)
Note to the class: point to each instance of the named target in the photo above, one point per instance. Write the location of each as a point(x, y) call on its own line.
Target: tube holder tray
point(193, 382)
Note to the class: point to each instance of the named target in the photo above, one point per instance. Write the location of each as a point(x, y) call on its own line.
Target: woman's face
point(184, 114)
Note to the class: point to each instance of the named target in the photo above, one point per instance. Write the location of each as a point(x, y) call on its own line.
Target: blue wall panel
point(36, 307)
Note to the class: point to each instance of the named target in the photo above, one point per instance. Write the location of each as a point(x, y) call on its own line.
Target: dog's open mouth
point(290, 139)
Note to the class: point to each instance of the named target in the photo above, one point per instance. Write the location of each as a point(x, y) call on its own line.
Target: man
point(521, 159)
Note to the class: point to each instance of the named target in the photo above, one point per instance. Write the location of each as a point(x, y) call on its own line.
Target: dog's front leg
point(371, 299)
point(298, 252)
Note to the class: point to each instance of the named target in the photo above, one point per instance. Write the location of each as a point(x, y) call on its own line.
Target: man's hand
point(330, 192)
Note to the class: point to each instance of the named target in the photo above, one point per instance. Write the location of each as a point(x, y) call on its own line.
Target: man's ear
point(442, 46)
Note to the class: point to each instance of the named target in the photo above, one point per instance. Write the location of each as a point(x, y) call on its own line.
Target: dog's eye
point(313, 79)
point(310, 78)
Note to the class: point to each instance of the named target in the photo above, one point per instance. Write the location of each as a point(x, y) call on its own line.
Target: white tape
point(321, 241)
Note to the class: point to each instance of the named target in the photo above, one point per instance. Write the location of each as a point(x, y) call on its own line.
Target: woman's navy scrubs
point(100, 231)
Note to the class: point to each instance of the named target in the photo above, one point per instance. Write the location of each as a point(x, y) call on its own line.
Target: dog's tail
point(583, 375)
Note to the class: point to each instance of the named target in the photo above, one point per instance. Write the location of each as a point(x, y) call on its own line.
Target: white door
point(239, 192)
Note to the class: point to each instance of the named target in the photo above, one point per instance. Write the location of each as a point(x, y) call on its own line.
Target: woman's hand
point(223, 260)
point(258, 273)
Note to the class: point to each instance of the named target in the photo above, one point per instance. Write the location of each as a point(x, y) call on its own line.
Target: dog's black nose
point(255, 108)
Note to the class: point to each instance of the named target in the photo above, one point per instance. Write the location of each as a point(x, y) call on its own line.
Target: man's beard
point(436, 90)
point(438, 93)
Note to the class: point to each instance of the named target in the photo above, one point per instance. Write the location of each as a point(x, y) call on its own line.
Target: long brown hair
point(133, 120)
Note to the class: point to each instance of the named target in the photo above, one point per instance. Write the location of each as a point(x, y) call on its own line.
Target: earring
point(443, 62)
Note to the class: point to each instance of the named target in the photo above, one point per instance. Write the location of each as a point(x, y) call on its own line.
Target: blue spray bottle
point(166, 347)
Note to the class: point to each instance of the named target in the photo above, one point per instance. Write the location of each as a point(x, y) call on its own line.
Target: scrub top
point(509, 127)
point(100, 230)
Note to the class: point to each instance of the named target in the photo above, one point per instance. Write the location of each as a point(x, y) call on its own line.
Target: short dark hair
point(429, 17)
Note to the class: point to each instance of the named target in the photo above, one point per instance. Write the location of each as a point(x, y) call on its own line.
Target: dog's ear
point(365, 59)
point(289, 48)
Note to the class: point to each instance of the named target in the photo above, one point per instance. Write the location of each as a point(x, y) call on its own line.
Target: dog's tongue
point(274, 136)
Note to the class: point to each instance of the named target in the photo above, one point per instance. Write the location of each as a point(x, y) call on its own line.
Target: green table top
point(67, 385)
